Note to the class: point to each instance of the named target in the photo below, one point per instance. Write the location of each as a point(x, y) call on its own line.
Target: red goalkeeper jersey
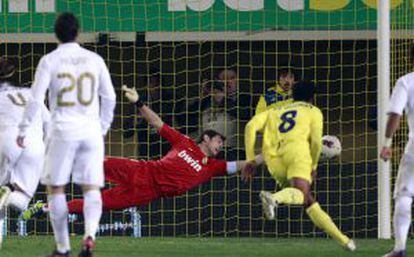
point(184, 166)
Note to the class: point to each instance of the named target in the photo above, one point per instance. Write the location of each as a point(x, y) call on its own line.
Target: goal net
point(172, 51)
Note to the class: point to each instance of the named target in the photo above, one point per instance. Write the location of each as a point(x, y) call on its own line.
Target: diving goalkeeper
point(292, 142)
point(187, 165)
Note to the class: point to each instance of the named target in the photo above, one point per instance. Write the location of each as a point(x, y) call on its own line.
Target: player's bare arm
point(248, 168)
point(149, 115)
point(392, 126)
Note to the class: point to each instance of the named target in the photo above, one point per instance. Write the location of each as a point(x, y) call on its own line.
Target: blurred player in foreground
point(401, 99)
point(82, 102)
point(292, 142)
point(187, 165)
point(20, 169)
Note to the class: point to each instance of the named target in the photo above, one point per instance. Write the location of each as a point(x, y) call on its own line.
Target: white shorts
point(28, 168)
point(83, 159)
point(18, 166)
point(404, 185)
point(9, 154)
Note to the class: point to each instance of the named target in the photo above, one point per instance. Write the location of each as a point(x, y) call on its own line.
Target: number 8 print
point(288, 121)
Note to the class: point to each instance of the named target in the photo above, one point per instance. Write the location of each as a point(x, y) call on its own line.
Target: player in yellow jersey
point(292, 143)
point(279, 94)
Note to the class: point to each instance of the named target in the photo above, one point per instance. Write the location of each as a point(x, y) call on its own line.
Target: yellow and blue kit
point(272, 98)
point(292, 140)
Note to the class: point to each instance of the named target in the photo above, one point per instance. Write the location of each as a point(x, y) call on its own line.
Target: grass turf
point(38, 246)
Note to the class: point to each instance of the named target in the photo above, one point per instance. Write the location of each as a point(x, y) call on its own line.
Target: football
point(331, 147)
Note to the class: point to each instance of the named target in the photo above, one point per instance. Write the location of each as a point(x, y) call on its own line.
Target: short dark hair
point(66, 27)
point(7, 69)
point(210, 133)
point(283, 72)
point(303, 91)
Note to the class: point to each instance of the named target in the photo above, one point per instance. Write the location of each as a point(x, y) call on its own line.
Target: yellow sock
point(288, 195)
point(322, 220)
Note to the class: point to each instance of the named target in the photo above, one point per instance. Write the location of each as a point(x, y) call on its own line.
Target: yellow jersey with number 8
point(294, 129)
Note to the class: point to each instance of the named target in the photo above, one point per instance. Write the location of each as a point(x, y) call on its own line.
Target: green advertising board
point(20, 16)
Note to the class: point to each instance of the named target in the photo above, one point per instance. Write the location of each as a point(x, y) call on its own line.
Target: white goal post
point(383, 78)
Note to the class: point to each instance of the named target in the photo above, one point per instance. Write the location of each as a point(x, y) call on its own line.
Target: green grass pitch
point(38, 246)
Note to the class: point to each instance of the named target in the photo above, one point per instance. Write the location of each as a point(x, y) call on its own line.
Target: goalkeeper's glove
point(131, 94)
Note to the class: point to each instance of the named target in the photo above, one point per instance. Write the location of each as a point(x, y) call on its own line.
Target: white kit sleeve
point(231, 167)
point(38, 91)
point(398, 98)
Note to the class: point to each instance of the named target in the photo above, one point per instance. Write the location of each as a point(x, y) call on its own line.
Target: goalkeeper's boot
point(350, 246)
point(268, 205)
point(396, 254)
point(87, 246)
point(4, 195)
point(58, 254)
point(34, 211)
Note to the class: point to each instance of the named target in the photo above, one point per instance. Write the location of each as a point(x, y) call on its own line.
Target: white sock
point(18, 200)
point(402, 221)
point(59, 217)
point(2, 217)
point(92, 211)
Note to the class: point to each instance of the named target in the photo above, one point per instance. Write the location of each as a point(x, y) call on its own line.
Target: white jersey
point(402, 99)
point(77, 80)
point(13, 101)
point(19, 166)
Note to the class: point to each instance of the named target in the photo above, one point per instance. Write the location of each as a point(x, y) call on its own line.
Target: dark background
point(345, 74)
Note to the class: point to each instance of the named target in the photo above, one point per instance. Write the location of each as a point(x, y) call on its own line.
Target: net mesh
point(145, 41)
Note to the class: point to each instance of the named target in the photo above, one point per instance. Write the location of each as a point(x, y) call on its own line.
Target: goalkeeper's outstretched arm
point(241, 164)
point(149, 115)
point(247, 172)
